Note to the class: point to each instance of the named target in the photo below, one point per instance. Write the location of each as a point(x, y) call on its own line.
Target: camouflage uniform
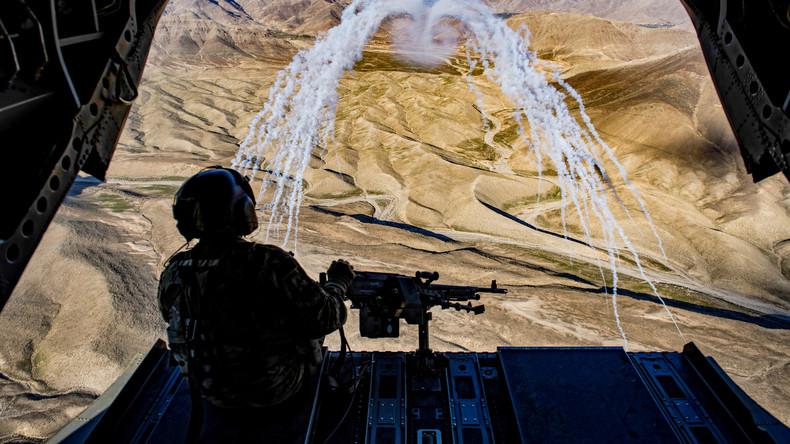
point(245, 321)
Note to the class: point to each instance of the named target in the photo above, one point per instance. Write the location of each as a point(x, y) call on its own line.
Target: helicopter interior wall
point(741, 42)
point(69, 71)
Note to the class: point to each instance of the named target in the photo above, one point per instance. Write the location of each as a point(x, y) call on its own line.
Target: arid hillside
point(653, 13)
point(413, 181)
point(312, 16)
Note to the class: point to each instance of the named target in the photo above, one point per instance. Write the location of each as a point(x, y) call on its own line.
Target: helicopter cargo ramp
point(516, 394)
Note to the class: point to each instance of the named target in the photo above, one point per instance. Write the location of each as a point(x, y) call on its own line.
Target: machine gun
point(384, 298)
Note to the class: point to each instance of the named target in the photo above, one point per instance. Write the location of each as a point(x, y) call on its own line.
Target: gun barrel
point(454, 292)
point(369, 285)
point(384, 298)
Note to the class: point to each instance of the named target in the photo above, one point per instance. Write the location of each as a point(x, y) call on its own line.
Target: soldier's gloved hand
point(340, 275)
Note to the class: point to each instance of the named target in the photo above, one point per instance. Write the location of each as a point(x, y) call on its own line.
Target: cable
point(43, 42)
point(348, 408)
point(356, 378)
point(124, 73)
point(14, 57)
point(177, 251)
point(341, 358)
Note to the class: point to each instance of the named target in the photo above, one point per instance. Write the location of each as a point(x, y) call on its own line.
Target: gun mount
point(384, 298)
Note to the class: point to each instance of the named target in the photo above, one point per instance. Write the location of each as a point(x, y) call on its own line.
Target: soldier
point(246, 323)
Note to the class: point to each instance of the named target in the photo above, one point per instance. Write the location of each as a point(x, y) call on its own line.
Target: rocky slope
point(661, 13)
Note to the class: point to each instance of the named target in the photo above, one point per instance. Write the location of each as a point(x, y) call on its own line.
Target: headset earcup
point(246, 218)
point(184, 212)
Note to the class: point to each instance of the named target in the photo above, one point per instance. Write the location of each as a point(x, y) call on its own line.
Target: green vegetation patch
point(647, 263)
point(290, 36)
point(554, 218)
point(546, 171)
point(477, 148)
point(507, 136)
point(174, 178)
point(683, 294)
point(160, 190)
point(462, 66)
point(38, 360)
point(151, 178)
point(592, 273)
point(552, 195)
point(384, 61)
point(114, 202)
point(337, 195)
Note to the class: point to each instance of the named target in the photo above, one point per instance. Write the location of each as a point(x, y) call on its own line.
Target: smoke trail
point(423, 39)
point(300, 113)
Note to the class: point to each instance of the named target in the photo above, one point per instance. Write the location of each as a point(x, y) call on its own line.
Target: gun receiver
point(384, 298)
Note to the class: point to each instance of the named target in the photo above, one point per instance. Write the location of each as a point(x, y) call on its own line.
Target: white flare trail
point(299, 115)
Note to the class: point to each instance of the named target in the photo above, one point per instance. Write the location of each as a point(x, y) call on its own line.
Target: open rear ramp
point(557, 395)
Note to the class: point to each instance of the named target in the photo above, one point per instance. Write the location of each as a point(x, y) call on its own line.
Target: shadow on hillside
point(372, 220)
point(773, 322)
point(515, 219)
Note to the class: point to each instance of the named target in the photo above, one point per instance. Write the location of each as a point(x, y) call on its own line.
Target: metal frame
point(761, 127)
point(387, 413)
point(94, 133)
point(468, 413)
point(681, 408)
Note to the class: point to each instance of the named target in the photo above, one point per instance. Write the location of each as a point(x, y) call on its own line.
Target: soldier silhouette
point(246, 322)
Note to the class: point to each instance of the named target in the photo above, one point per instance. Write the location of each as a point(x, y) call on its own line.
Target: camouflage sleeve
point(169, 289)
point(320, 311)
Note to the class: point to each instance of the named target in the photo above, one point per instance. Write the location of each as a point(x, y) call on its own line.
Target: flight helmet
point(215, 202)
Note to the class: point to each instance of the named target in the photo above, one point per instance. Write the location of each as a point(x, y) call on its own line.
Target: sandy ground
point(414, 182)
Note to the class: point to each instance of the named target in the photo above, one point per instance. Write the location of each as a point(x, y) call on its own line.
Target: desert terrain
point(414, 181)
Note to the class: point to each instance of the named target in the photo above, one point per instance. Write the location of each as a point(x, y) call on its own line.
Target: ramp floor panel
point(581, 396)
